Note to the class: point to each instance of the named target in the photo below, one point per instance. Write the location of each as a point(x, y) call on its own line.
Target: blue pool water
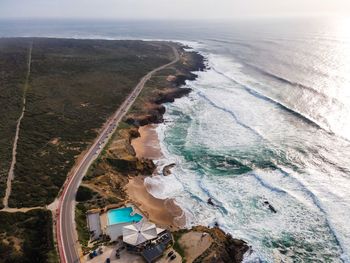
point(122, 215)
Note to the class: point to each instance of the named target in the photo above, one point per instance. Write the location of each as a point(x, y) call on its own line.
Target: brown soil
point(195, 244)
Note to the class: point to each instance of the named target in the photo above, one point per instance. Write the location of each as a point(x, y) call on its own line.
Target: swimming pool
point(122, 215)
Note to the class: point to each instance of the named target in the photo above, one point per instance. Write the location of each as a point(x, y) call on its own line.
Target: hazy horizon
point(164, 9)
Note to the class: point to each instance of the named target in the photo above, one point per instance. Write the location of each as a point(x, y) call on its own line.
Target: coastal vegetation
point(75, 85)
point(82, 229)
point(13, 66)
point(177, 246)
point(27, 237)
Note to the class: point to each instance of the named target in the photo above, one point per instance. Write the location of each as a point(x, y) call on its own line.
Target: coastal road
point(65, 224)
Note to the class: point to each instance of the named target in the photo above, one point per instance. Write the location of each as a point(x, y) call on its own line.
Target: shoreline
point(164, 212)
point(146, 146)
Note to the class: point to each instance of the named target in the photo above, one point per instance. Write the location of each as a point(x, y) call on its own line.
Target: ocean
point(264, 134)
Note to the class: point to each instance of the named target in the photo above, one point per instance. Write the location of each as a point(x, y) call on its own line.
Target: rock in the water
point(167, 169)
point(272, 209)
point(225, 248)
point(210, 202)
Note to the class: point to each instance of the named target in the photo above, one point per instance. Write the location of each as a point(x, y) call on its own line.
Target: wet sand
point(147, 145)
point(165, 213)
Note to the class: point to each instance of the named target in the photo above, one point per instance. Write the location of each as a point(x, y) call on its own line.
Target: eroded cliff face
point(225, 248)
point(154, 110)
point(121, 156)
point(149, 108)
point(109, 175)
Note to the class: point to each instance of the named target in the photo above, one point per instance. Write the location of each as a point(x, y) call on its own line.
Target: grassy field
point(74, 86)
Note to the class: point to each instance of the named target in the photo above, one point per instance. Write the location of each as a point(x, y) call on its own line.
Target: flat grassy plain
point(74, 86)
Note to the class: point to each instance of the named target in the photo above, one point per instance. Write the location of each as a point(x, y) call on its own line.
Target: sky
point(169, 9)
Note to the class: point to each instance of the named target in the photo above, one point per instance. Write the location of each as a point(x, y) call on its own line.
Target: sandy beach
point(147, 145)
point(165, 213)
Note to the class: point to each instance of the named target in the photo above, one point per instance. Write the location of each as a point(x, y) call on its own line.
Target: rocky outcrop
point(132, 167)
point(154, 111)
point(151, 109)
point(169, 95)
point(167, 169)
point(224, 249)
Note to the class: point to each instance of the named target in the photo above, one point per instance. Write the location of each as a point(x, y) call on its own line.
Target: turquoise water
point(122, 215)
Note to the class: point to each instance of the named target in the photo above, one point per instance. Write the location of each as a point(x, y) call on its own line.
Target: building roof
point(94, 224)
point(154, 252)
point(139, 233)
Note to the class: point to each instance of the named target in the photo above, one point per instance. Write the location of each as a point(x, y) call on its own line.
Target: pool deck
point(123, 215)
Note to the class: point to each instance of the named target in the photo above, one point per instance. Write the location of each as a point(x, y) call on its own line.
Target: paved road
point(65, 225)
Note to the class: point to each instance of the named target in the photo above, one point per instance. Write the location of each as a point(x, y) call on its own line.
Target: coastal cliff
point(225, 248)
point(119, 169)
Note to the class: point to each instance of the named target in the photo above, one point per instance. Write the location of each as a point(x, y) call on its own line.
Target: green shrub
point(84, 194)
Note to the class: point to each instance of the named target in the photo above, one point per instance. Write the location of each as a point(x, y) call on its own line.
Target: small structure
point(139, 233)
point(94, 225)
point(145, 239)
point(151, 254)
